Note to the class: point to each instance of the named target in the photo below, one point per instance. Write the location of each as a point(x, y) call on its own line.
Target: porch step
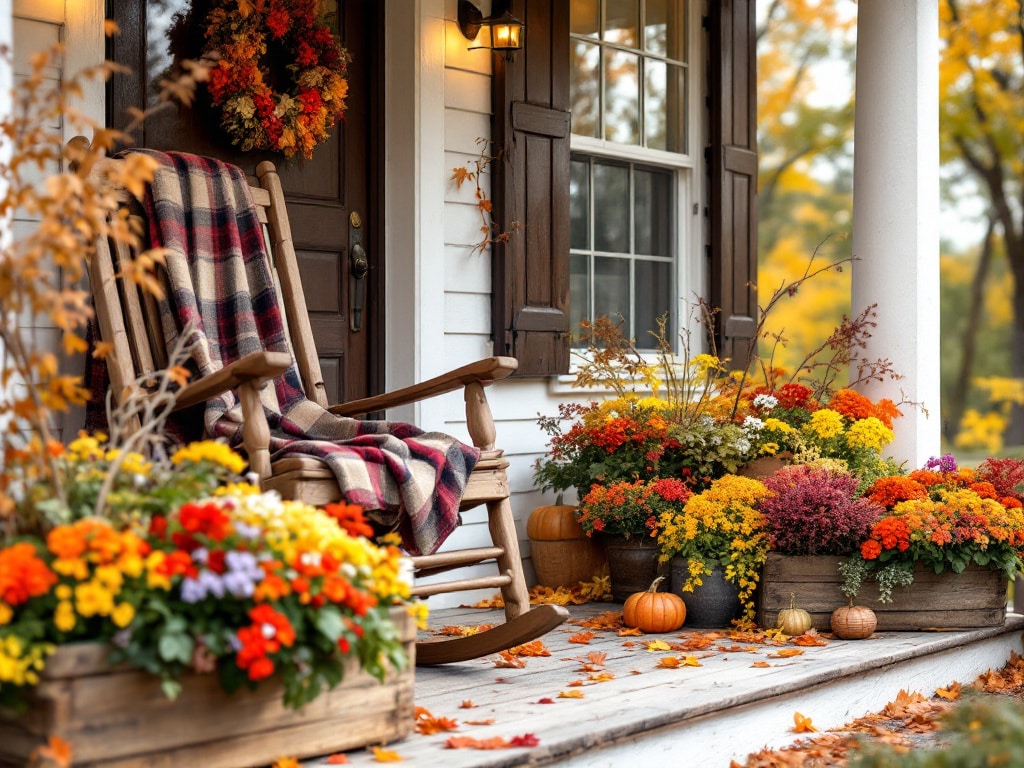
point(702, 716)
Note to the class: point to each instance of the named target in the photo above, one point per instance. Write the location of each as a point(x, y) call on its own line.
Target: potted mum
point(625, 515)
point(717, 544)
point(940, 524)
point(815, 519)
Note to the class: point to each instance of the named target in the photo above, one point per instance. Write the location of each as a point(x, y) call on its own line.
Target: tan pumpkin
point(853, 622)
point(654, 611)
point(794, 621)
point(556, 522)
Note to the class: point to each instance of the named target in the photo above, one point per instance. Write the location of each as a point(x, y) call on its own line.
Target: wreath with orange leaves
point(279, 78)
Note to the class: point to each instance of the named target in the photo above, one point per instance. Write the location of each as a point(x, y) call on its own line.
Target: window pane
point(579, 295)
point(665, 28)
point(653, 299)
point(622, 97)
point(583, 18)
point(620, 22)
point(664, 106)
point(653, 213)
point(611, 208)
point(579, 204)
point(584, 85)
point(611, 288)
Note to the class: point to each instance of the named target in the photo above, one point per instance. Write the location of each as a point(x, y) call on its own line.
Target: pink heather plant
point(815, 511)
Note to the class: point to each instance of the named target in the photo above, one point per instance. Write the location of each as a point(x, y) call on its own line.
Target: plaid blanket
point(201, 210)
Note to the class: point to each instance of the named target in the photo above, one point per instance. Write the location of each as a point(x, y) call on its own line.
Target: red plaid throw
point(201, 210)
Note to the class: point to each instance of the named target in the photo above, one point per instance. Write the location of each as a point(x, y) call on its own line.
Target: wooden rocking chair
point(128, 319)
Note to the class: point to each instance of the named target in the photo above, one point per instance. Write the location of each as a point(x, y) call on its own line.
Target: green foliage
point(980, 732)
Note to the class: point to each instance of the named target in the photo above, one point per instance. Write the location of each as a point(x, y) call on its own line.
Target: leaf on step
point(658, 645)
point(386, 756)
point(583, 638)
point(809, 638)
point(570, 694)
point(467, 704)
point(506, 659)
point(760, 664)
point(785, 653)
point(486, 721)
point(951, 693)
point(630, 632)
point(427, 724)
point(338, 758)
point(802, 724)
point(532, 648)
point(546, 700)
point(524, 740)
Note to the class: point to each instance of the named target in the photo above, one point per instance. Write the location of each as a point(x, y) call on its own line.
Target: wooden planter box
point(974, 598)
point(118, 717)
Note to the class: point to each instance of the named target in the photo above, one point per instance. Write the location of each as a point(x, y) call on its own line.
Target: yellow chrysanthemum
point(210, 451)
point(826, 423)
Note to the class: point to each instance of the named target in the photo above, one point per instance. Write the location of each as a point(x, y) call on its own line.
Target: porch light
point(502, 33)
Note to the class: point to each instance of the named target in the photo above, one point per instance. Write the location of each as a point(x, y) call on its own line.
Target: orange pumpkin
point(654, 611)
point(554, 523)
point(853, 622)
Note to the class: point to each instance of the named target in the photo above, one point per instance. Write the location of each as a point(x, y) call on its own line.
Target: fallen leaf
point(459, 630)
point(658, 645)
point(575, 683)
point(949, 694)
point(487, 721)
point(386, 756)
point(570, 694)
point(506, 659)
point(597, 658)
point(760, 664)
point(427, 724)
point(546, 700)
point(532, 648)
point(601, 677)
point(630, 632)
point(607, 620)
point(337, 758)
point(785, 653)
point(809, 638)
point(802, 724)
point(670, 662)
point(286, 762)
point(467, 704)
point(525, 740)
point(468, 742)
point(583, 638)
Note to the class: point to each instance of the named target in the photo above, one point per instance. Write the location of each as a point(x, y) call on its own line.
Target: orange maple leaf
point(337, 758)
point(467, 704)
point(506, 659)
point(760, 664)
point(468, 742)
point(809, 638)
point(583, 638)
point(630, 632)
point(386, 756)
point(532, 648)
point(802, 724)
point(570, 694)
point(949, 694)
point(670, 662)
point(427, 724)
point(485, 721)
point(785, 653)
point(286, 762)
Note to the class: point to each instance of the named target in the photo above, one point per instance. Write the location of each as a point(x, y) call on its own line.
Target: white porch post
point(896, 207)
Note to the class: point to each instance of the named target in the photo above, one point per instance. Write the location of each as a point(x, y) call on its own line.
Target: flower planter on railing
point(974, 598)
point(118, 717)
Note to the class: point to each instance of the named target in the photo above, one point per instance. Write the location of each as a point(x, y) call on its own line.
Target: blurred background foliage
point(806, 66)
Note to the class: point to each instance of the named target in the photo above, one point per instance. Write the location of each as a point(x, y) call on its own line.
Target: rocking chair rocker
point(129, 320)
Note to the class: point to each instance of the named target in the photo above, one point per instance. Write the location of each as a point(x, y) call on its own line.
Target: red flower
point(870, 549)
point(351, 519)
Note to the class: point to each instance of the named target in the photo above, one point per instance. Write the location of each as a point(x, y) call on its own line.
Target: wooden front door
point(333, 201)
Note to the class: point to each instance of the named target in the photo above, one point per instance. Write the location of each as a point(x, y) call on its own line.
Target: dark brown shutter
point(531, 188)
point(733, 164)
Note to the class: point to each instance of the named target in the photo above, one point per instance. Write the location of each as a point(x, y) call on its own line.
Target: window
point(632, 169)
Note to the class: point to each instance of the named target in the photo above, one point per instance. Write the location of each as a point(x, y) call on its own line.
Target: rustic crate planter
point(118, 717)
point(974, 598)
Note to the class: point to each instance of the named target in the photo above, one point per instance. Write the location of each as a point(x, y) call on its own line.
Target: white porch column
point(896, 208)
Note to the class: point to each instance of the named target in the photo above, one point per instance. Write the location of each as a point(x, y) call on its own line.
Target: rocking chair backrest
point(129, 317)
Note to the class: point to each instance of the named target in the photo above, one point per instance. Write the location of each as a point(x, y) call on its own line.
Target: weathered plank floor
point(692, 715)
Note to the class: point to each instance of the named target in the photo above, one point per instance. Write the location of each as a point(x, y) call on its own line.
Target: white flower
point(766, 402)
point(752, 424)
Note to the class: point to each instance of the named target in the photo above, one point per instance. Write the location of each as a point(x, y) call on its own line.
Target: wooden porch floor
point(738, 700)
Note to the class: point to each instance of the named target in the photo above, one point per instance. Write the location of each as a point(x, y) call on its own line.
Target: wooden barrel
point(563, 555)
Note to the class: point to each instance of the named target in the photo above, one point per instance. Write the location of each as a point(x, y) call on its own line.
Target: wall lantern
point(502, 33)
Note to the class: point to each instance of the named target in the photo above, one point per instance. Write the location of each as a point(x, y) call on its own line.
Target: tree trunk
point(969, 338)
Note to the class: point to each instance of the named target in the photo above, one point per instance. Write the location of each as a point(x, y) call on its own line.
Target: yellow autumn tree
point(981, 82)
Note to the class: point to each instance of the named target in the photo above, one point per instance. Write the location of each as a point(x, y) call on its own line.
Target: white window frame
point(691, 187)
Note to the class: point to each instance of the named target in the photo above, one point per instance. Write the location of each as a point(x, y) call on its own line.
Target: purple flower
point(192, 591)
point(945, 463)
point(246, 531)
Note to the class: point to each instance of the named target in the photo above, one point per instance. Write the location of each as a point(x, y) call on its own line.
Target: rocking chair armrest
point(481, 372)
point(255, 366)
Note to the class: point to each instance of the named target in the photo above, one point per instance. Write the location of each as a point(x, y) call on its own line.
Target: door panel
point(321, 192)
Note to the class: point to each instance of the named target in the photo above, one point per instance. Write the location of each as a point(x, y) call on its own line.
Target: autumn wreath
point(279, 79)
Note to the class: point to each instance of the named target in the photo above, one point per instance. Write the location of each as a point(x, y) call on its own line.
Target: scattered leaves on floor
point(467, 704)
point(495, 742)
point(952, 693)
point(382, 755)
point(506, 659)
point(583, 638)
point(339, 758)
point(427, 723)
point(802, 724)
point(570, 694)
point(532, 648)
point(286, 762)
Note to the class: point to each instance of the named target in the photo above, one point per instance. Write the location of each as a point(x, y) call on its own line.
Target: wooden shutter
point(530, 298)
point(733, 167)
